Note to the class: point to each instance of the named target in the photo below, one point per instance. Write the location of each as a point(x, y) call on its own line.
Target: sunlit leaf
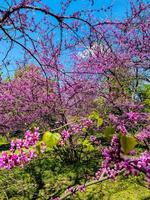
point(51, 139)
point(99, 122)
point(95, 116)
point(128, 143)
point(109, 131)
point(38, 147)
point(88, 145)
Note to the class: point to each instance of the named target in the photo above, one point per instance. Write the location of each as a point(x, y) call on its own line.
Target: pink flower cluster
point(20, 154)
point(8, 161)
point(75, 129)
point(25, 94)
point(122, 129)
point(134, 116)
point(128, 120)
point(95, 140)
point(65, 135)
point(144, 134)
point(84, 123)
point(114, 162)
point(30, 139)
point(120, 124)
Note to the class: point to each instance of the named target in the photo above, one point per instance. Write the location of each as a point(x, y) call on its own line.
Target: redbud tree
point(108, 62)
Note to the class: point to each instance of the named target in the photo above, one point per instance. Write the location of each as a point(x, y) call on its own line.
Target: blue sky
point(119, 6)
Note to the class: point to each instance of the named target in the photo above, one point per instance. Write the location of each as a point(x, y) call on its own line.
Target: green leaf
point(38, 147)
point(95, 116)
point(51, 139)
point(3, 140)
point(84, 130)
point(85, 142)
point(88, 145)
point(109, 131)
point(128, 143)
point(99, 122)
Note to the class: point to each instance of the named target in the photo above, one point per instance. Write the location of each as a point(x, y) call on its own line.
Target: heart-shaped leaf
point(128, 143)
point(109, 131)
point(51, 139)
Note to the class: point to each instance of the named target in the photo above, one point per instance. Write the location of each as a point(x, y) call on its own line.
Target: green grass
point(131, 188)
point(48, 176)
point(21, 184)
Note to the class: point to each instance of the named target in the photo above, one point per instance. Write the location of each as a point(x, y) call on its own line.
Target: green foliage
point(86, 143)
point(3, 140)
point(95, 116)
point(123, 188)
point(128, 143)
point(145, 94)
point(4, 144)
point(51, 139)
point(108, 132)
point(39, 147)
point(48, 176)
